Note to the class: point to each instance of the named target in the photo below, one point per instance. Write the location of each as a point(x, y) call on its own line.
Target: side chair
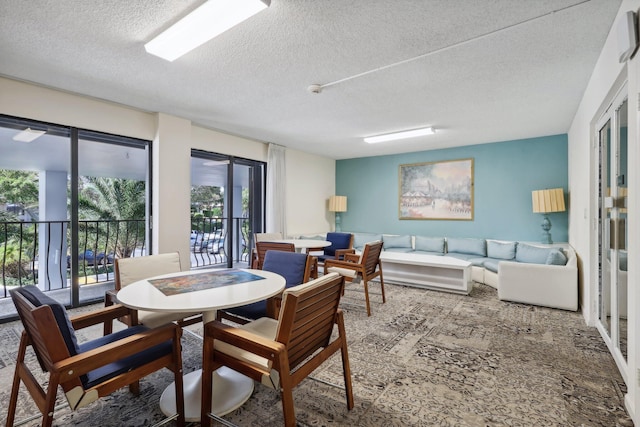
point(261, 237)
point(294, 267)
point(91, 370)
point(341, 244)
point(263, 247)
point(281, 353)
point(129, 270)
point(366, 266)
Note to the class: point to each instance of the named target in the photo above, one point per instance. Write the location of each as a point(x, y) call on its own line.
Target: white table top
point(423, 259)
point(303, 243)
point(143, 295)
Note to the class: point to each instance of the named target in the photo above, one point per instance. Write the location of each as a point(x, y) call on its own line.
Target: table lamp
point(338, 204)
point(545, 202)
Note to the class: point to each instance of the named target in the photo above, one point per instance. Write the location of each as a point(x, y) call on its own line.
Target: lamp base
point(338, 220)
point(546, 226)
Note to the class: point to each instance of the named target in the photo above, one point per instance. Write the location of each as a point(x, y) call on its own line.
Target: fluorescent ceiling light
point(28, 135)
point(214, 17)
point(400, 135)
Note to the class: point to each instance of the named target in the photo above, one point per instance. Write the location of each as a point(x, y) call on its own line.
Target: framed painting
point(436, 190)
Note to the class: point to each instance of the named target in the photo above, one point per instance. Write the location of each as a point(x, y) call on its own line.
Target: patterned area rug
point(424, 358)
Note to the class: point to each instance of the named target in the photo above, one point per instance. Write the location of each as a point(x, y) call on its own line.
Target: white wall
point(583, 210)
point(310, 178)
point(310, 182)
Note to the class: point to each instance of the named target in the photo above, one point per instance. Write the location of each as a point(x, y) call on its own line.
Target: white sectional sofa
point(529, 273)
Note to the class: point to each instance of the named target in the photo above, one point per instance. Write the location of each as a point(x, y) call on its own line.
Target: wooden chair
point(281, 353)
point(263, 247)
point(262, 237)
point(341, 244)
point(129, 270)
point(367, 266)
point(88, 371)
point(294, 267)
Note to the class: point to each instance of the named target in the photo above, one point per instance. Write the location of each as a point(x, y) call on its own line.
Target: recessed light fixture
point(400, 135)
point(212, 18)
point(28, 135)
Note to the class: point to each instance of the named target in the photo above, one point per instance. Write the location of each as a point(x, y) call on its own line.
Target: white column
point(52, 237)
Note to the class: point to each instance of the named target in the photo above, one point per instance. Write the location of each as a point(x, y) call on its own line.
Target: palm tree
point(121, 202)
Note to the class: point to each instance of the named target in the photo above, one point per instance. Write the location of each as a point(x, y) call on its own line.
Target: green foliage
point(19, 187)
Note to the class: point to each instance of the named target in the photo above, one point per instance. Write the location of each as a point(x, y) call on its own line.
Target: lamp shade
point(338, 204)
point(549, 200)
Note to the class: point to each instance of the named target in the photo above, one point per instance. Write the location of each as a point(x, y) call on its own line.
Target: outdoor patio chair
point(87, 371)
point(281, 353)
point(366, 266)
point(341, 244)
point(294, 267)
point(129, 270)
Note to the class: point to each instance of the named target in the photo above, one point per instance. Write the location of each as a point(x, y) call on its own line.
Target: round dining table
point(301, 244)
point(204, 291)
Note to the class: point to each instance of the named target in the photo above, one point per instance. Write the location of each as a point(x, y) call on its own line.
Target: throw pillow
point(396, 241)
point(532, 254)
point(501, 250)
point(556, 257)
point(430, 244)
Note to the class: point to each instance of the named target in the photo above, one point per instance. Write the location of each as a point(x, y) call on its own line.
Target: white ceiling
point(524, 79)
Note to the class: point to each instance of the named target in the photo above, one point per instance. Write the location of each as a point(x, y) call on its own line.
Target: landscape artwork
point(197, 282)
point(437, 190)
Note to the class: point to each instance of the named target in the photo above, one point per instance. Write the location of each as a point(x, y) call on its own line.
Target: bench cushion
point(532, 254)
point(501, 250)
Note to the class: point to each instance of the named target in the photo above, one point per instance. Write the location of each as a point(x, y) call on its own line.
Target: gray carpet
point(424, 358)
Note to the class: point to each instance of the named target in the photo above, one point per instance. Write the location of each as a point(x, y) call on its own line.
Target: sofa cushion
point(556, 257)
point(467, 246)
point(393, 242)
point(501, 250)
point(428, 253)
point(465, 257)
point(491, 265)
point(532, 254)
point(403, 250)
point(430, 244)
point(361, 239)
point(476, 261)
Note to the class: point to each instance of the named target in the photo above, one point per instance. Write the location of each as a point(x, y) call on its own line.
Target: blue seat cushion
point(428, 253)
point(123, 365)
point(253, 311)
point(38, 298)
point(338, 241)
point(402, 250)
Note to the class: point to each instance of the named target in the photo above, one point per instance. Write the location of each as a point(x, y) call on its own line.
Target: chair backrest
point(264, 237)
point(371, 256)
point(129, 270)
point(293, 266)
point(307, 316)
point(263, 247)
point(48, 327)
point(338, 241)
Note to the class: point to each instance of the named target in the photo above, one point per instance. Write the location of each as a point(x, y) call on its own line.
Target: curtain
point(276, 190)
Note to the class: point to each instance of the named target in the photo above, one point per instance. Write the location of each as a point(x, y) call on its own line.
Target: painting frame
point(438, 190)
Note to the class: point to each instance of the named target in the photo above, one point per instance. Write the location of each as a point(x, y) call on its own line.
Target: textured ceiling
point(485, 70)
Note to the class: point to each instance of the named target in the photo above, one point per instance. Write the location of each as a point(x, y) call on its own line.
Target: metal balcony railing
point(38, 252)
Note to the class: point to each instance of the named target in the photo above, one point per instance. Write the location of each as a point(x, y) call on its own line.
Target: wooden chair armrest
point(110, 297)
point(100, 316)
point(320, 249)
point(340, 253)
point(352, 257)
point(341, 264)
point(243, 339)
point(83, 363)
point(273, 306)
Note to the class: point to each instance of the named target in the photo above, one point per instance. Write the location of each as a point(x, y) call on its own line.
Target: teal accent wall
point(505, 174)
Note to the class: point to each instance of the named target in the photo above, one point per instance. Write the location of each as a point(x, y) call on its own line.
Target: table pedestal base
point(230, 391)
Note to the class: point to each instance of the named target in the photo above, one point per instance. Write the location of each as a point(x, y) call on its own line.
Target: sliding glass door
point(227, 206)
